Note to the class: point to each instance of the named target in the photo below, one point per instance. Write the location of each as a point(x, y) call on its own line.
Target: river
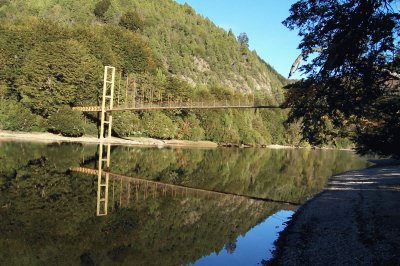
point(221, 206)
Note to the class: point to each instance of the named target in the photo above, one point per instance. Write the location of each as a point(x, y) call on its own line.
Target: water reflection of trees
point(287, 175)
point(47, 216)
point(47, 212)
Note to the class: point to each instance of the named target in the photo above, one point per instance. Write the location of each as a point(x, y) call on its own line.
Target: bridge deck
point(174, 106)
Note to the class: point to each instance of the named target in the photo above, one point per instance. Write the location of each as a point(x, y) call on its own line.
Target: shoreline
point(353, 221)
point(45, 137)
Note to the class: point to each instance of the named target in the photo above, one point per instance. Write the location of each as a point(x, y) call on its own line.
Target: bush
point(274, 123)
point(90, 128)
point(251, 137)
point(101, 8)
point(231, 136)
point(131, 21)
point(3, 90)
point(126, 124)
point(343, 143)
point(189, 128)
point(14, 116)
point(158, 125)
point(219, 127)
point(66, 122)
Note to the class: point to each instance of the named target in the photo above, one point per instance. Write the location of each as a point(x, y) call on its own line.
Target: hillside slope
point(53, 51)
point(185, 43)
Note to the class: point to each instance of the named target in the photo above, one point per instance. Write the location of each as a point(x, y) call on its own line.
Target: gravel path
point(354, 221)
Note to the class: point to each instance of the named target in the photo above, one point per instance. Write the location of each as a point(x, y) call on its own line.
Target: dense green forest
point(52, 54)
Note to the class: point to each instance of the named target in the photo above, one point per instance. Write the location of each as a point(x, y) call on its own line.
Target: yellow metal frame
point(104, 162)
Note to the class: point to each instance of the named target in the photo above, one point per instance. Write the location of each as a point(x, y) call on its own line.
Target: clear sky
point(262, 21)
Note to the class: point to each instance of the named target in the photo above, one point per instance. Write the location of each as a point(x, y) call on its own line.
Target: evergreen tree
point(101, 8)
point(131, 21)
point(243, 39)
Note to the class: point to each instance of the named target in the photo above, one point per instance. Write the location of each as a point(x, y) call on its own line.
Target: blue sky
point(261, 20)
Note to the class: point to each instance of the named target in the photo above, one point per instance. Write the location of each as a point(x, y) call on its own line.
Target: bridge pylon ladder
point(105, 121)
point(107, 101)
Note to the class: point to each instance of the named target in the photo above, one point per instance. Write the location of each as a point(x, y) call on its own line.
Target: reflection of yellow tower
point(106, 120)
point(102, 179)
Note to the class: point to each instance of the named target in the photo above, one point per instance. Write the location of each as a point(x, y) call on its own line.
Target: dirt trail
point(354, 221)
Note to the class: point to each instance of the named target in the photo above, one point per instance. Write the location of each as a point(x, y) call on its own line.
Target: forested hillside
point(52, 53)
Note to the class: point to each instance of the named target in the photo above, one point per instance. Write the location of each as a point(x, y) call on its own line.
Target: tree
point(230, 247)
point(243, 39)
point(158, 125)
point(352, 87)
point(126, 124)
point(101, 8)
point(15, 116)
point(58, 73)
point(131, 21)
point(66, 122)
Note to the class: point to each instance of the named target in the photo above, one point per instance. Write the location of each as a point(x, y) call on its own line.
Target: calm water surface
point(164, 206)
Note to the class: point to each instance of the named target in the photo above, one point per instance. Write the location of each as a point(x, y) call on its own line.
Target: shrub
point(101, 8)
point(66, 122)
point(14, 116)
point(274, 123)
point(251, 137)
point(131, 21)
point(90, 128)
point(343, 143)
point(126, 124)
point(219, 127)
point(158, 125)
point(189, 128)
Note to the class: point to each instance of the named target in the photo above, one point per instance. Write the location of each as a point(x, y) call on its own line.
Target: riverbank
point(46, 137)
point(354, 221)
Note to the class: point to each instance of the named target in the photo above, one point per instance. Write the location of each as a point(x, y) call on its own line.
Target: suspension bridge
point(130, 97)
point(133, 99)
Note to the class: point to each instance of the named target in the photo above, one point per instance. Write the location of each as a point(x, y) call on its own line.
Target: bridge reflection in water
point(137, 186)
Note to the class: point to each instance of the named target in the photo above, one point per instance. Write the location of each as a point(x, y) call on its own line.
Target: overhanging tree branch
point(300, 57)
point(297, 62)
